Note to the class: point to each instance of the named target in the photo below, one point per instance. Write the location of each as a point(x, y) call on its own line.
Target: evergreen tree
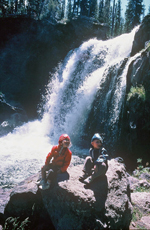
point(134, 11)
point(84, 7)
point(113, 17)
point(92, 8)
point(101, 11)
point(107, 12)
point(69, 9)
point(76, 6)
point(118, 19)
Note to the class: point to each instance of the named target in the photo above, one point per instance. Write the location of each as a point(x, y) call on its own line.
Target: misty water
point(66, 107)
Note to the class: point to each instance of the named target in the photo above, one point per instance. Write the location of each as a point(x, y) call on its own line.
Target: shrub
point(138, 91)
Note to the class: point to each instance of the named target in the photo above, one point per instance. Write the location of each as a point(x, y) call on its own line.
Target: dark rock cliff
point(31, 50)
point(136, 122)
point(142, 36)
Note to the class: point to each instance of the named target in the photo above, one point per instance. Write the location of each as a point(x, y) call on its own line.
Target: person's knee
point(89, 159)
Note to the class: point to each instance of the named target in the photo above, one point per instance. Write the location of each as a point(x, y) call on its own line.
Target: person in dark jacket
point(96, 164)
point(61, 157)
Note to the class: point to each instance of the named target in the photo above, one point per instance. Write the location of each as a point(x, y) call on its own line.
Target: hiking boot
point(44, 186)
point(40, 182)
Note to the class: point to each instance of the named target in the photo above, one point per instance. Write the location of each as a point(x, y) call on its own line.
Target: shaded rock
point(25, 202)
point(104, 203)
point(10, 116)
point(136, 121)
point(141, 36)
point(4, 198)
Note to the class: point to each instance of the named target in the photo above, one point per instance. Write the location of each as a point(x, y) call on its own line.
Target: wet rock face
point(136, 124)
point(70, 204)
point(142, 36)
point(10, 116)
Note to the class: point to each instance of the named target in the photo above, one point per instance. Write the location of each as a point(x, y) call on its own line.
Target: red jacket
point(62, 160)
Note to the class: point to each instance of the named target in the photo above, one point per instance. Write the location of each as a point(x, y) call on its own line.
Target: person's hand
point(59, 171)
point(95, 168)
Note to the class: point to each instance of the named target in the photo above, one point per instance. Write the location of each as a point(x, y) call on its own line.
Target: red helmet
point(63, 137)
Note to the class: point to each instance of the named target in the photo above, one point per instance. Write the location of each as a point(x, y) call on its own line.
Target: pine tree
point(113, 17)
point(134, 11)
point(107, 12)
point(92, 8)
point(118, 19)
point(101, 11)
point(84, 6)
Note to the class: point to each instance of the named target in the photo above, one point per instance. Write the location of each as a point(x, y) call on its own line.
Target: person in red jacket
point(57, 161)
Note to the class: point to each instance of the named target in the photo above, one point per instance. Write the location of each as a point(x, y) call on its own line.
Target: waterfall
point(84, 76)
point(85, 95)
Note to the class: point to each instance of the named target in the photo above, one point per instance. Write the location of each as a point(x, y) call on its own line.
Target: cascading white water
point(66, 108)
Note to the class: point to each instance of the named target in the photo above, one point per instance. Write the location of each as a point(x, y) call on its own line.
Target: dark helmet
point(97, 137)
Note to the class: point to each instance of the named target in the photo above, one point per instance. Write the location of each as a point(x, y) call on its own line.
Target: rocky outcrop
point(10, 116)
point(136, 121)
point(142, 36)
point(141, 202)
point(104, 204)
point(70, 204)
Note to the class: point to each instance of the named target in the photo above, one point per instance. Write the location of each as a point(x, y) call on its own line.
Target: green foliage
point(138, 91)
point(105, 11)
point(15, 224)
point(140, 168)
point(148, 46)
point(142, 189)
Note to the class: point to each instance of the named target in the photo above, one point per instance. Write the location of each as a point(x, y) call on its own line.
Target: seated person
point(61, 159)
point(95, 165)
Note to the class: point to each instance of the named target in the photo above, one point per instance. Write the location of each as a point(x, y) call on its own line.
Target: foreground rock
point(103, 204)
point(71, 204)
point(141, 202)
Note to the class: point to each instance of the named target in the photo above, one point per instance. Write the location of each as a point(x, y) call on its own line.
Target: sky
point(124, 4)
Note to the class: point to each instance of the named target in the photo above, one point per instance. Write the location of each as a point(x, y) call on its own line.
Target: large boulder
point(26, 205)
point(103, 204)
point(70, 204)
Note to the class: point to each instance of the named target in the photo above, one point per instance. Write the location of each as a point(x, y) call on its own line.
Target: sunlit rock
point(70, 204)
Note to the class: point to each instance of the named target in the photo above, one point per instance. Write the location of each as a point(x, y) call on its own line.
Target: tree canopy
point(105, 11)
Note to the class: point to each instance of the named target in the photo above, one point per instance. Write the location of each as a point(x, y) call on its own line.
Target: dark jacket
point(99, 155)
